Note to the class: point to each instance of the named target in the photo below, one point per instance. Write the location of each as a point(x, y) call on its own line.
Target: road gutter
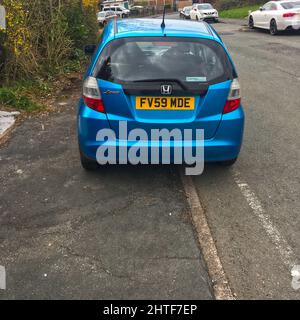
point(222, 290)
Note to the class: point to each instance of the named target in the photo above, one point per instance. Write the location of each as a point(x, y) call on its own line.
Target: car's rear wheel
point(228, 163)
point(273, 27)
point(251, 22)
point(88, 164)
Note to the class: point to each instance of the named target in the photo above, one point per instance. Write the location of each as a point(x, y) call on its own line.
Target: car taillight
point(289, 14)
point(92, 96)
point(234, 98)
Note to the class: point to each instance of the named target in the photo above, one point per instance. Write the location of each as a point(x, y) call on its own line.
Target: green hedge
point(56, 32)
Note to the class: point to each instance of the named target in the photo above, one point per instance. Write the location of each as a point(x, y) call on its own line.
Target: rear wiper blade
point(163, 80)
point(157, 80)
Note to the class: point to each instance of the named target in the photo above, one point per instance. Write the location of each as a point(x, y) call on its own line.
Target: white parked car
point(104, 16)
point(185, 13)
point(276, 16)
point(204, 11)
point(119, 11)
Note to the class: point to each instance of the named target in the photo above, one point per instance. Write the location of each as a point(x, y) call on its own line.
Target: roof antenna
point(163, 25)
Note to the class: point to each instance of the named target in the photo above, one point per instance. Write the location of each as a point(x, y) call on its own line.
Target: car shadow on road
point(286, 33)
point(210, 168)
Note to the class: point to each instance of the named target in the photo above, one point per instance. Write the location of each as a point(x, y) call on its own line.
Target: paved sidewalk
point(7, 120)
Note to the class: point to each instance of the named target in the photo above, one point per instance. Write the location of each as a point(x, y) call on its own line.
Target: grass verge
point(17, 99)
point(32, 96)
point(238, 13)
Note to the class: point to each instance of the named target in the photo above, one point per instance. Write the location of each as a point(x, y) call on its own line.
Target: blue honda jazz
point(153, 75)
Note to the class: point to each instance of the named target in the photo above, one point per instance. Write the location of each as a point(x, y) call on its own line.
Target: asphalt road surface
point(122, 233)
point(127, 233)
point(254, 209)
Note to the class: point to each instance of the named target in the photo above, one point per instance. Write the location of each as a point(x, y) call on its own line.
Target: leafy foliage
point(45, 36)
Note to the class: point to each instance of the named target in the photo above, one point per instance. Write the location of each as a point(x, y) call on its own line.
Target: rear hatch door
point(135, 71)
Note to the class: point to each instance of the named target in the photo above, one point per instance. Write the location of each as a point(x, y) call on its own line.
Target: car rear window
point(146, 58)
point(290, 5)
point(205, 6)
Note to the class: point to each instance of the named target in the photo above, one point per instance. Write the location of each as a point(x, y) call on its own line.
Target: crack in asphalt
point(96, 261)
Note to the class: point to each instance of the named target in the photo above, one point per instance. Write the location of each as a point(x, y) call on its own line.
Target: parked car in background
point(185, 13)
point(204, 11)
point(276, 16)
point(104, 16)
point(119, 11)
point(135, 10)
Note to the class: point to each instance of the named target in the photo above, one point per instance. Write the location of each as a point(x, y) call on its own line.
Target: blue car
point(149, 75)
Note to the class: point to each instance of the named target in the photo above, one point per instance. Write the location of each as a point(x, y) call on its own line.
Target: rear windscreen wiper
point(163, 80)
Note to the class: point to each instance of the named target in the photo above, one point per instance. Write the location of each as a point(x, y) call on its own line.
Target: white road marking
point(2, 278)
point(286, 252)
point(216, 272)
point(295, 273)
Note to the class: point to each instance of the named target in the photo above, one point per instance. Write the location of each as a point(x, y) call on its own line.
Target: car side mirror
point(90, 49)
point(261, 8)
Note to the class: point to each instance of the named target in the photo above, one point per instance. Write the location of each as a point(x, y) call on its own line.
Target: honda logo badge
point(166, 89)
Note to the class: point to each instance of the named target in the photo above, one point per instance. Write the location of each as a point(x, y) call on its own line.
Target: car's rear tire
point(228, 163)
point(251, 23)
point(88, 164)
point(273, 27)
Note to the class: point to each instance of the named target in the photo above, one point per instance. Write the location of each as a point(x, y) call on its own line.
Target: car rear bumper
point(209, 17)
point(289, 24)
point(225, 145)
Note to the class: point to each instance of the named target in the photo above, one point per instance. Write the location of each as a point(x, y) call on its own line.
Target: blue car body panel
point(223, 132)
point(205, 116)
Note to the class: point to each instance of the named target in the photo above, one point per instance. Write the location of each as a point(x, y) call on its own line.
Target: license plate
point(165, 103)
